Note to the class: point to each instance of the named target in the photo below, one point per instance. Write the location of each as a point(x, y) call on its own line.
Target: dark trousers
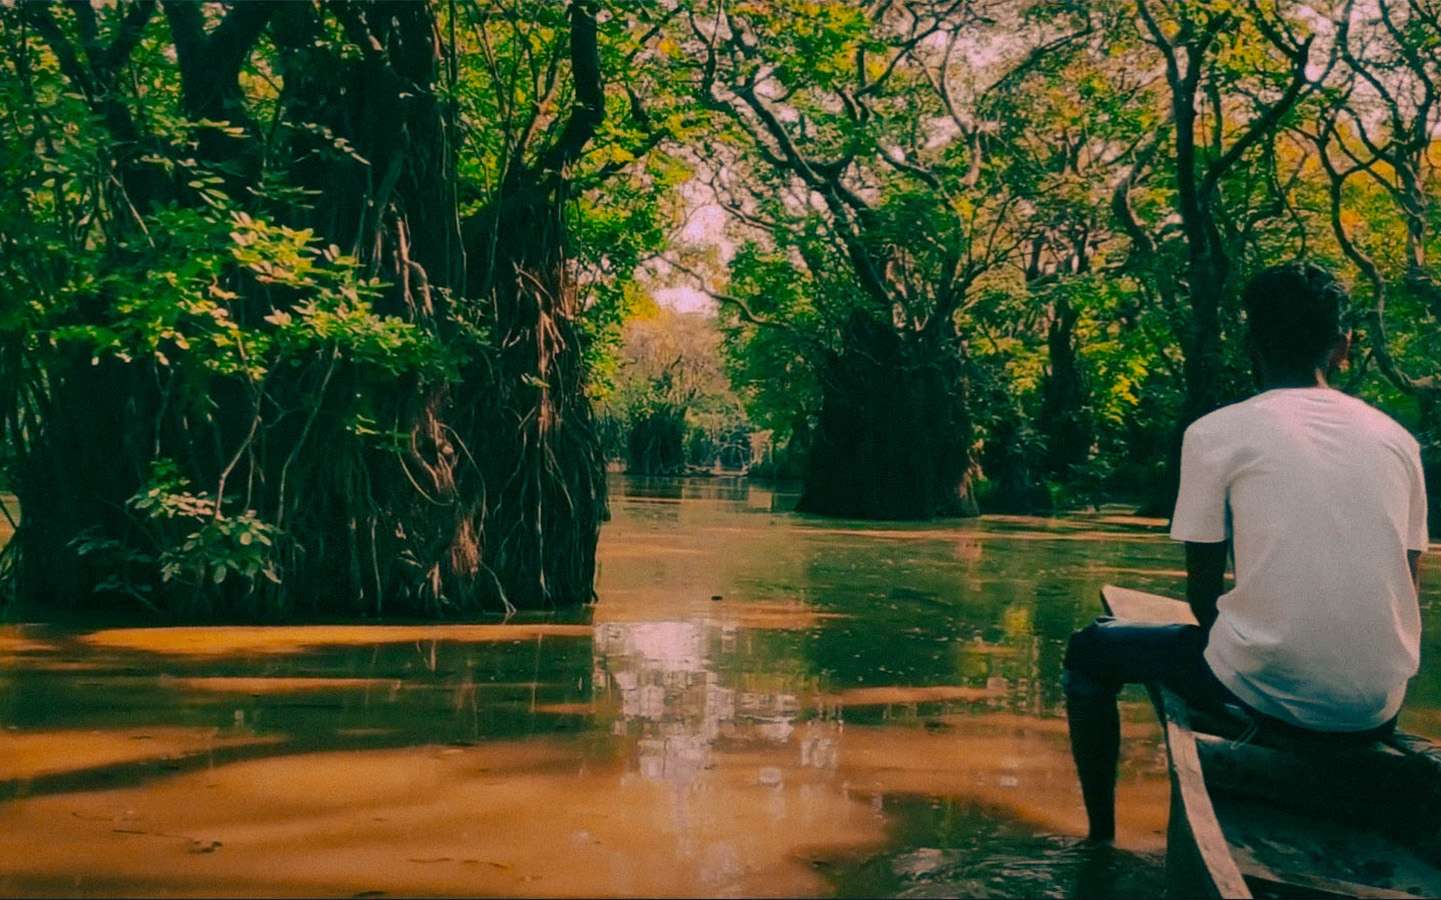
point(1106, 655)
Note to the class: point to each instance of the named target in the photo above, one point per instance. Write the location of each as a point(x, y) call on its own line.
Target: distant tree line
point(669, 408)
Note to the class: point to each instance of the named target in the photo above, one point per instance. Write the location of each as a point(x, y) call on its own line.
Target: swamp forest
point(643, 447)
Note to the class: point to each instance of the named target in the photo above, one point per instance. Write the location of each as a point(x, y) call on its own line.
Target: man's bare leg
point(1095, 728)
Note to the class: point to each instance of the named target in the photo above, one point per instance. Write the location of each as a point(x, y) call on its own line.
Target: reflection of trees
point(973, 609)
point(321, 697)
point(409, 691)
point(984, 606)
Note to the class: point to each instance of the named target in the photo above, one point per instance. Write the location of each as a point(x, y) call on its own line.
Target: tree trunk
point(1203, 343)
point(894, 436)
point(1063, 420)
point(534, 438)
point(1203, 368)
point(73, 481)
point(656, 443)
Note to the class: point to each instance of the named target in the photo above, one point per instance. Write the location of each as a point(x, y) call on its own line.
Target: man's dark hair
point(1294, 312)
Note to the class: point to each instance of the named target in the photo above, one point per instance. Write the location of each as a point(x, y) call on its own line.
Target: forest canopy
point(309, 305)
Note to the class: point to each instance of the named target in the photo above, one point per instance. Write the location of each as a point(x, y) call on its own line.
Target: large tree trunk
point(656, 443)
point(894, 436)
point(1063, 420)
point(74, 479)
point(392, 201)
point(84, 449)
point(1207, 274)
point(1203, 342)
point(535, 439)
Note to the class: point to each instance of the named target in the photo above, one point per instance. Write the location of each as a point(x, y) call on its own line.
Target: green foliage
point(257, 279)
point(775, 376)
point(196, 544)
point(1046, 133)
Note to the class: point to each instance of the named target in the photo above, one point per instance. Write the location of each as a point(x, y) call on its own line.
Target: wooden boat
point(1272, 815)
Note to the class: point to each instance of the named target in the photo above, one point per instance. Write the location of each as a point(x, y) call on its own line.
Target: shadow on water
point(760, 704)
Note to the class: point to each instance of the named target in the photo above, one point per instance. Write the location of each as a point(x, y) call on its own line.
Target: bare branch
point(1376, 316)
point(1263, 125)
point(740, 304)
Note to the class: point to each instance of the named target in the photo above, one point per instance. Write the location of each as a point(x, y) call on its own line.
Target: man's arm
point(1205, 579)
point(1202, 518)
point(1413, 559)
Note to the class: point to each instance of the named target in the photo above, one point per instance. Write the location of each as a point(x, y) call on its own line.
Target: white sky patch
point(940, 130)
point(685, 299)
point(705, 220)
point(704, 229)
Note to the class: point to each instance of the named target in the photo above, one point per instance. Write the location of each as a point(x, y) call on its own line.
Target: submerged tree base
point(894, 436)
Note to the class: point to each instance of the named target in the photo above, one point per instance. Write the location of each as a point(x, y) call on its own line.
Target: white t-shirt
point(1322, 496)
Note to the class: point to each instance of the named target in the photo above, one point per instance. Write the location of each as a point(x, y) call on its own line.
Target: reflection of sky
point(966, 605)
point(678, 695)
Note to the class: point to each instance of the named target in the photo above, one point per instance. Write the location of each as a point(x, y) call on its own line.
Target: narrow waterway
point(760, 703)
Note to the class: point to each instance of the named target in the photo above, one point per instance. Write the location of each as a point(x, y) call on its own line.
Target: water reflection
point(686, 687)
point(670, 701)
point(727, 488)
point(761, 703)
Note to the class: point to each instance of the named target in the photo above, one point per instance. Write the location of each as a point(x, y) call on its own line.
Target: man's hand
point(1205, 579)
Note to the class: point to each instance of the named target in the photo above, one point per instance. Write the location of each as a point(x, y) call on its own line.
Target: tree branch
point(70, 64)
point(132, 27)
point(1121, 196)
point(1264, 124)
point(589, 109)
point(741, 305)
point(210, 63)
point(1376, 316)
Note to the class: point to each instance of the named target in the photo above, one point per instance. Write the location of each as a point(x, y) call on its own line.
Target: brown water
point(760, 704)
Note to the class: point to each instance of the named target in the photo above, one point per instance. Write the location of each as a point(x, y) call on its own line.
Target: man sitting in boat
point(1320, 500)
